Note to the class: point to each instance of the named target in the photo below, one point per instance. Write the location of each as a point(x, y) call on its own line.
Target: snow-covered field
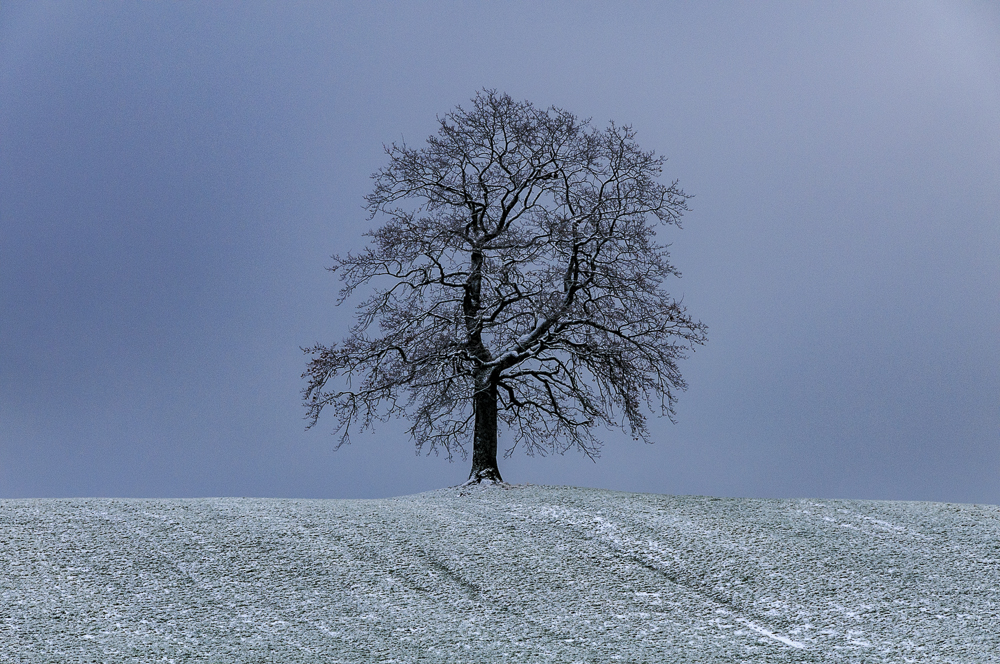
point(520, 574)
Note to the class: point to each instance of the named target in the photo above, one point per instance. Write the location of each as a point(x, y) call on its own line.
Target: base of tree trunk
point(484, 476)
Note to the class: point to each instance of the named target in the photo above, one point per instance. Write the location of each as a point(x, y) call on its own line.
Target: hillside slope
point(524, 574)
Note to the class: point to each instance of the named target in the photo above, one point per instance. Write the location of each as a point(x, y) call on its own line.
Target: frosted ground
point(525, 574)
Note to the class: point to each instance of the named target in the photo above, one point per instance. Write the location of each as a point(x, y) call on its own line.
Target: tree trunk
point(484, 443)
point(484, 401)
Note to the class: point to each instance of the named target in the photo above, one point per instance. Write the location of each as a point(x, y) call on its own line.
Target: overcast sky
point(175, 176)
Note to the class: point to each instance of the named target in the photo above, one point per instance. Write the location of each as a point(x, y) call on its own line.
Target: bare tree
point(516, 279)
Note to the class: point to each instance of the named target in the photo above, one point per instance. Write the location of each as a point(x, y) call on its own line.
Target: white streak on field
point(525, 574)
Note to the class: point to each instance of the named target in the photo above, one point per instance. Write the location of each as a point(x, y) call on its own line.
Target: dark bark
point(484, 445)
point(484, 400)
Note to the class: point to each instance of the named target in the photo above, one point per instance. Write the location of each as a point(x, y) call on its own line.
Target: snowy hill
point(524, 574)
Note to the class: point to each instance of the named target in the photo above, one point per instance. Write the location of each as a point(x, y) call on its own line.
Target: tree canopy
point(516, 279)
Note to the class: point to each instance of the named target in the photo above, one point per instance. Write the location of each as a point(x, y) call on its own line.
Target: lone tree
point(516, 279)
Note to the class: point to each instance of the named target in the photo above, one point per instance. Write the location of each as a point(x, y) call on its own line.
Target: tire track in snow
point(414, 547)
point(650, 554)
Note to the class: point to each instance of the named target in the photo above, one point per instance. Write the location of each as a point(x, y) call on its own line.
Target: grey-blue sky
point(173, 178)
